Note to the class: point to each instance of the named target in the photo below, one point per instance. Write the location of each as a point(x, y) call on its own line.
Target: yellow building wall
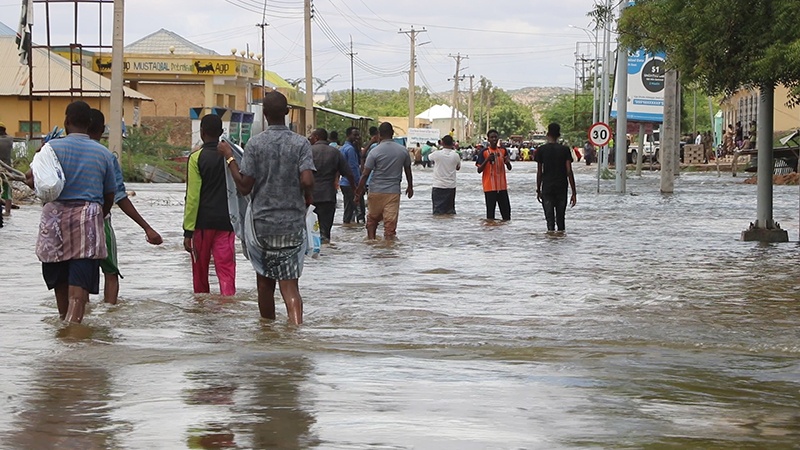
point(742, 107)
point(49, 111)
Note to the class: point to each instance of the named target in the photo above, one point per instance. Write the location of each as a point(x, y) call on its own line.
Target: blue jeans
point(555, 207)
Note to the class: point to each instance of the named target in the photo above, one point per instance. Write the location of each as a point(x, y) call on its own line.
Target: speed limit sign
point(599, 134)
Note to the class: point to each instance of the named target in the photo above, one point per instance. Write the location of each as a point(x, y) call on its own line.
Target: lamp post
point(593, 39)
point(574, 96)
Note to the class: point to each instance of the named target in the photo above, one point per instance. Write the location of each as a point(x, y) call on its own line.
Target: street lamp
point(574, 96)
point(595, 103)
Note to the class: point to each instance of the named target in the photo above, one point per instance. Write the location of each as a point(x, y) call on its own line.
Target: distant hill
point(536, 97)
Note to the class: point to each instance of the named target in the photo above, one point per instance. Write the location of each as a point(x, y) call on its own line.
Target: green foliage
point(721, 45)
point(573, 113)
point(372, 103)
point(147, 146)
point(509, 117)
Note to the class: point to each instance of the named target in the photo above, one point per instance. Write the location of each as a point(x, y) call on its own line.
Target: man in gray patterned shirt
point(278, 168)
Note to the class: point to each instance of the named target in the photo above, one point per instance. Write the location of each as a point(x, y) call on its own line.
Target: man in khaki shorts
point(386, 163)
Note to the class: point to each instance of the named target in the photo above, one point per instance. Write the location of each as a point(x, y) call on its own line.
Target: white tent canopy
point(439, 112)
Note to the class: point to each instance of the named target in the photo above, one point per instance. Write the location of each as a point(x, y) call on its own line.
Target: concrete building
point(50, 72)
point(438, 116)
point(742, 106)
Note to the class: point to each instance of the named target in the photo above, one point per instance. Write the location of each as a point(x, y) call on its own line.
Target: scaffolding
point(78, 50)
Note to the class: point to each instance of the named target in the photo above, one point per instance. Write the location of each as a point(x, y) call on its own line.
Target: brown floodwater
point(650, 325)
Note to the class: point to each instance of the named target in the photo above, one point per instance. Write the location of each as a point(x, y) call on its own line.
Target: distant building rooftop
point(162, 40)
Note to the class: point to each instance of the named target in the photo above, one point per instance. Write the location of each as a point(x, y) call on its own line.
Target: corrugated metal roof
point(342, 113)
point(160, 42)
point(5, 30)
point(51, 73)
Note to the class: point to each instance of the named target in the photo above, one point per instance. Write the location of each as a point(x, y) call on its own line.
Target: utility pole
point(455, 79)
point(263, 25)
point(117, 82)
point(668, 142)
point(621, 154)
point(412, 34)
point(470, 110)
point(309, 77)
point(352, 79)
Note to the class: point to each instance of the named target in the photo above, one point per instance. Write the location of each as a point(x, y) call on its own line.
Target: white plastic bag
point(312, 232)
point(48, 177)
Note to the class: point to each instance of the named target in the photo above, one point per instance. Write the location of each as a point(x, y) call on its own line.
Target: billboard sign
point(422, 135)
point(645, 87)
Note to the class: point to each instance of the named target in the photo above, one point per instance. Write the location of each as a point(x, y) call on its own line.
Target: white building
point(438, 116)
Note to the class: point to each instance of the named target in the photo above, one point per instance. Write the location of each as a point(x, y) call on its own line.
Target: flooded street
point(650, 325)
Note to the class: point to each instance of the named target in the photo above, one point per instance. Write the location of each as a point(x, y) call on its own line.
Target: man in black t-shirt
point(554, 170)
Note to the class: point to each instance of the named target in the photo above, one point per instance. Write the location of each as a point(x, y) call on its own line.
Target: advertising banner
point(645, 88)
point(422, 135)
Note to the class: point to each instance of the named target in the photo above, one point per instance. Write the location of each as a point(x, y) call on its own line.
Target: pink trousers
point(221, 245)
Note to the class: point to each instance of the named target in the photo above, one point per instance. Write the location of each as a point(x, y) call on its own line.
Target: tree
point(720, 45)
point(573, 113)
point(372, 103)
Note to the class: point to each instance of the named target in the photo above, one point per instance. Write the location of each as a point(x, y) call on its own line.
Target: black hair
point(349, 131)
point(275, 105)
point(321, 133)
point(98, 123)
point(448, 140)
point(492, 131)
point(79, 114)
point(334, 136)
point(554, 130)
point(211, 125)
point(373, 130)
point(386, 130)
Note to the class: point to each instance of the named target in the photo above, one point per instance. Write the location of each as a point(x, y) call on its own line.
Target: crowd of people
point(282, 173)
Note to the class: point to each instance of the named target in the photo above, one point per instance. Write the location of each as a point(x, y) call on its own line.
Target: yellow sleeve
point(192, 201)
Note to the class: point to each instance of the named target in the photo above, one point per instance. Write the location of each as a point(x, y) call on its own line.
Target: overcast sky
point(514, 43)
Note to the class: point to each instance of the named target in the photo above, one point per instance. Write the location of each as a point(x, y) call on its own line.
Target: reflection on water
point(68, 405)
point(649, 325)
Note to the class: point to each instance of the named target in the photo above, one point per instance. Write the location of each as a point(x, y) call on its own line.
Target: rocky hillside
point(536, 97)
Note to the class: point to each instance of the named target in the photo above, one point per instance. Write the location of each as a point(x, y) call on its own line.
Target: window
point(24, 126)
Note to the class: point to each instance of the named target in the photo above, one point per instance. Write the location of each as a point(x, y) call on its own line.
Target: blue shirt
point(88, 168)
point(353, 158)
point(121, 193)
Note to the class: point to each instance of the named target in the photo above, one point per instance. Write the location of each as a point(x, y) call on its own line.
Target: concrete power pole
point(352, 78)
point(470, 110)
point(412, 34)
point(455, 79)
point(621, 154)
point(668, 142)
point(309, 103)
point(263, 25)
point(765, 229)
point(117, 82)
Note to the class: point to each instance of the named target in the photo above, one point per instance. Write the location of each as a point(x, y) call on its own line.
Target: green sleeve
point(192, 203)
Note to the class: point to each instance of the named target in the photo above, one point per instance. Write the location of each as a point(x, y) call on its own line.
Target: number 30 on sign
point(599, 134)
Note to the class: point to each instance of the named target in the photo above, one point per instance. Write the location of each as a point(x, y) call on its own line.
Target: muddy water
point(648, 326)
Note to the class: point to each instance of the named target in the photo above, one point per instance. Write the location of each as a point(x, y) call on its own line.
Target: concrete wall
point(49, 111)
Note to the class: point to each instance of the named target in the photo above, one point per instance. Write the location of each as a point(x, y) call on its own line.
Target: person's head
point(492, 136)
point(417, 144)
point(275, 108)
point(78, 117)
point(373, 131)
point(2, 129)
point(210, 128)
point(730, 126)
point(554, 131)
point(385, 130)
point(333, 136)
point(98, 125)
point(353, 135)
point(318, 134)
point(447, 141)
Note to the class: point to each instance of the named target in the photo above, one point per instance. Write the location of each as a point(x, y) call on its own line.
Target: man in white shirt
point(699, 139)
point(446, 163)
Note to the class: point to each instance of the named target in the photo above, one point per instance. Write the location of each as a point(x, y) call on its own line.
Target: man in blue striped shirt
point(71, 241)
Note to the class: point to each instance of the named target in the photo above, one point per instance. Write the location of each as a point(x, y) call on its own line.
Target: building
point(438, 116)
point(742, 106)
point(50, 72)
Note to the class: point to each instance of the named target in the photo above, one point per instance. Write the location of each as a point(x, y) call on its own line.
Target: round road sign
point(599, 134)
